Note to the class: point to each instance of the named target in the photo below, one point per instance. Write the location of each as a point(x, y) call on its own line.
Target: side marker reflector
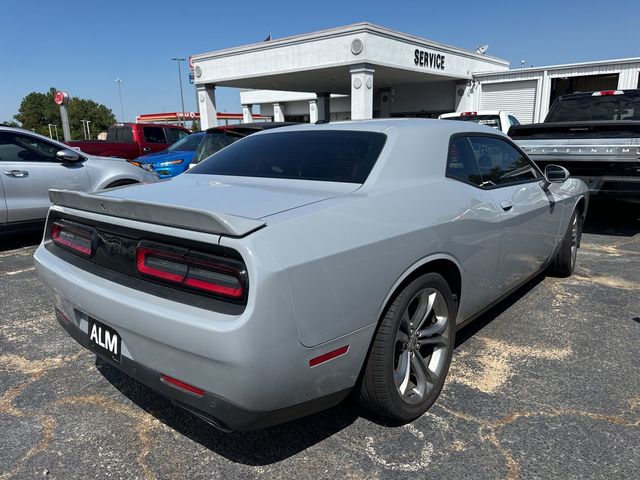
point(325, 357)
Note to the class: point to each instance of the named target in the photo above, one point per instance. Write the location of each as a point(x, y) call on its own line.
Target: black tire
point(379, 388)
point(121, 183)
point(564, 263)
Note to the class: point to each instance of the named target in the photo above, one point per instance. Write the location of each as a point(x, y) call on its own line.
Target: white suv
point(498, 119)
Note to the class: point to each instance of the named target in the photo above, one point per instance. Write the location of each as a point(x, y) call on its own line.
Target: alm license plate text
point(104, 340)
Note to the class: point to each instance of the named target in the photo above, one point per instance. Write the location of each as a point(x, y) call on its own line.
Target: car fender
point(410, 270)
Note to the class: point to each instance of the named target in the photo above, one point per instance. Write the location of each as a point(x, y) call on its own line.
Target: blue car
point(174, 160)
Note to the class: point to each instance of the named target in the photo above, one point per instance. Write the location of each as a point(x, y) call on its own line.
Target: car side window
point(513, 120)
point(16, 147)
point(500, 163)
point(461, 162)
point(175, 134)
point(154, 134)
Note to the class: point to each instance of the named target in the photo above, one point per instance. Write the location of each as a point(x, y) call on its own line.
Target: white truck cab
point(498, 119)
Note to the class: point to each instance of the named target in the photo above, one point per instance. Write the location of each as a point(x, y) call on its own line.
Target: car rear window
point(488, 120)
point(327, 155)
point(120, 134)
point(590, 108)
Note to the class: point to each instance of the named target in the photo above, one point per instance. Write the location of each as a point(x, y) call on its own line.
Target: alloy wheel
point(421, 345)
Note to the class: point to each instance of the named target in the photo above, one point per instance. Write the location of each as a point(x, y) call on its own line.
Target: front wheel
point(565, 262)
point(411, 352)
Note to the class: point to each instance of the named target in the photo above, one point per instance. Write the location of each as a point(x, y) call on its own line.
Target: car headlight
point(172, 162)
point(145, 166)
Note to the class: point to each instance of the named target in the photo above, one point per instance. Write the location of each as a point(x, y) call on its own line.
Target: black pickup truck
point(594, 135)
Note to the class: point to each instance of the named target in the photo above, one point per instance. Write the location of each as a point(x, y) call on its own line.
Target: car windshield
point(326, 155)
point(212, 143)
point(589, 108)
point(186, 144)
point(488, 120)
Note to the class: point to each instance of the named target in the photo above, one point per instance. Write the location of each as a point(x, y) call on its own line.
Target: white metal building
point(365, 71)
point(529, 92)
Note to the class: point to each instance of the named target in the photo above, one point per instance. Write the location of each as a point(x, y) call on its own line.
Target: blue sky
point(83, 46)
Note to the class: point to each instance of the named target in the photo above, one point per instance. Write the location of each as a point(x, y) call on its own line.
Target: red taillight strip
point(55, 235)
point(141, 255)
point(325, 357)
point(174, 382)
point(214, 287)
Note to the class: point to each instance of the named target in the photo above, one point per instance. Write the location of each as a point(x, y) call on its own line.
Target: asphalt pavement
point(545, 385)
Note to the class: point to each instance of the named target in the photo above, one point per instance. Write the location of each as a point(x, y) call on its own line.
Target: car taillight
point(468, 114)
point(191, 272)
point(161, 265)
point(73, 238)
point(607, 92)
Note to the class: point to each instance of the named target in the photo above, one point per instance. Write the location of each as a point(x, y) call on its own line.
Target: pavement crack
point(143, 424)
point(488, 430)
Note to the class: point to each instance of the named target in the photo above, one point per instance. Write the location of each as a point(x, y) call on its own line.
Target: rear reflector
point(174, 382)
point(607, 92)
point(325, 357)
point(73, 238)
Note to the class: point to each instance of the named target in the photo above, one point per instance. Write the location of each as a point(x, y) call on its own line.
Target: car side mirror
point(554, 174)
point(67, 155)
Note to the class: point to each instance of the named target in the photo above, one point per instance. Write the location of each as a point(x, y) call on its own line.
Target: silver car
point(32, 164)
point(299, 264)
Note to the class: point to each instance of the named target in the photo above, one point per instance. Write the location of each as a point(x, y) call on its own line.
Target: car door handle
point(17, 173)
point(506, 206)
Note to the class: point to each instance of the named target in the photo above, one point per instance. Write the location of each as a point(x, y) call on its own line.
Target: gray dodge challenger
point(304, 263)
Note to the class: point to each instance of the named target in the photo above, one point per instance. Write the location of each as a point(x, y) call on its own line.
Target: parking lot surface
point(545, 385)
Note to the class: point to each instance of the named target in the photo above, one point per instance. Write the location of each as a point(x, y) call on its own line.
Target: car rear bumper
point(212, 408)
point(252, 367)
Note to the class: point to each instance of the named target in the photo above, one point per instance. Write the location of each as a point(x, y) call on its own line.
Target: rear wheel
point(565, 262)
point(411, 352)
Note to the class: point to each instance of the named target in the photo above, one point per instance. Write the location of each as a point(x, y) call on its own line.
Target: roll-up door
point(518, 98)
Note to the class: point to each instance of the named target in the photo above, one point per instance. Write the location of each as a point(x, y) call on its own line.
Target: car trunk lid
point(233, 206)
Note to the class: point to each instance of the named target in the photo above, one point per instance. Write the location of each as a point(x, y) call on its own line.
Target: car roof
point(384, 124)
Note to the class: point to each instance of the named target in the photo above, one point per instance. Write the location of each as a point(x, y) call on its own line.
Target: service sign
point(426, 59)
point(60, 97)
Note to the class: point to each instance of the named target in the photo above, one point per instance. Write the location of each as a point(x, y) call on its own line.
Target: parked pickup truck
point(594, 135)
point(130, 140)
point(498, 119)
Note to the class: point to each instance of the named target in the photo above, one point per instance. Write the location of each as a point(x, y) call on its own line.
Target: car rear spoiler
point(157, 213)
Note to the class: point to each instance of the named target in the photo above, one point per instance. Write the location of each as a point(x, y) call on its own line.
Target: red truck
point(130, 140)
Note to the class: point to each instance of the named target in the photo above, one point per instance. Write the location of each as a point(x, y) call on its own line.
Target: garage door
point(518, 98)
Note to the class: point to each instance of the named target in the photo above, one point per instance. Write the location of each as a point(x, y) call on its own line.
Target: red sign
point(60, 97)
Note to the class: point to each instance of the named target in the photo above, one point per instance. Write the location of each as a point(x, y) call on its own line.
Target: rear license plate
point(104, 340)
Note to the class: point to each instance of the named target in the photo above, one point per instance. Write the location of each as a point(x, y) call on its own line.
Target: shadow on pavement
point(24, 238)
point(473, 327)
point(609, 217)
point(261, 447)
point(258, 447)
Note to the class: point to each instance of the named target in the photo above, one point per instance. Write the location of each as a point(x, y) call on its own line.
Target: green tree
point(38, 110)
